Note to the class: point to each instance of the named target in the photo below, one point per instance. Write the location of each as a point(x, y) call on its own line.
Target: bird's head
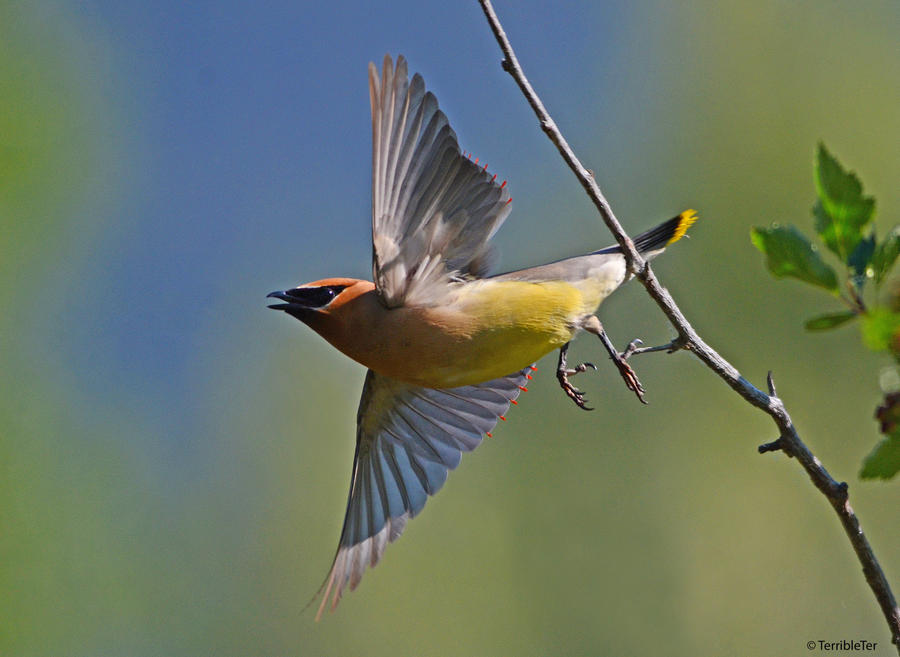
point(316, 302)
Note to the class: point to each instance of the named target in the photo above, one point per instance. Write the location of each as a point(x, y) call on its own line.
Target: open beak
point(284, 296)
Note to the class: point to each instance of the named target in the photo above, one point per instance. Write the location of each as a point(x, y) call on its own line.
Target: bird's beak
point(284, 296)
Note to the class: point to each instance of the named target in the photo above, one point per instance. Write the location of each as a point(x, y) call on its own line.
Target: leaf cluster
point(844, 222)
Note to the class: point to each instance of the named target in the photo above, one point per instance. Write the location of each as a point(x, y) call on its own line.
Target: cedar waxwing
point(447, 347)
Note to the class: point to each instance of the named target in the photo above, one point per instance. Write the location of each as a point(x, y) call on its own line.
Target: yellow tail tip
point(685, 220)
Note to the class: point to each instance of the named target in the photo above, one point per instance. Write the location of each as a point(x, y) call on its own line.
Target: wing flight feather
point(433, 209)
point(408, 439)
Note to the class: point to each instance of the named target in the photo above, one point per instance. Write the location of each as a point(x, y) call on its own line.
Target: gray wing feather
point(433, 209)
point(408, 439)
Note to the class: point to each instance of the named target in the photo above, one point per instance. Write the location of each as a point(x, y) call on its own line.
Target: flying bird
point(448, 347)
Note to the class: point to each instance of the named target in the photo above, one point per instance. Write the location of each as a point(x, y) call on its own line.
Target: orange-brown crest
point(353, 287)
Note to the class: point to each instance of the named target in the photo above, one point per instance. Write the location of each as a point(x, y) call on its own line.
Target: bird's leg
point(563, 373)
point(593, 325)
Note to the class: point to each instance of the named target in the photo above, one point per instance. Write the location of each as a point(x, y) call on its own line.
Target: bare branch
point(789, 441)
point(774, 446)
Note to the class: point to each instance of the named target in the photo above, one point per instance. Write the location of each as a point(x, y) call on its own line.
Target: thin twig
point(634, 348)
point(789, 441)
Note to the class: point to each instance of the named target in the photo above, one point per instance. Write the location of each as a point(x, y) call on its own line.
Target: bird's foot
point(627, 372)
point(571, 391)
point(563, 372)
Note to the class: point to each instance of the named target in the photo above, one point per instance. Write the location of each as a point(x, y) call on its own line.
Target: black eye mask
point(313, 297)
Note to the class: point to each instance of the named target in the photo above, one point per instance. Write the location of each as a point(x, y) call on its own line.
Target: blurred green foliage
point(844, 222)
point(61, 569)
point(43, 147)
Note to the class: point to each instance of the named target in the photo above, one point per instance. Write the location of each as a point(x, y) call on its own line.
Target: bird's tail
point(660, 237)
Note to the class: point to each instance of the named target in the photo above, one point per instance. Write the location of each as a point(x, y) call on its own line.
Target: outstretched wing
point(407, 439)
point(433, 209)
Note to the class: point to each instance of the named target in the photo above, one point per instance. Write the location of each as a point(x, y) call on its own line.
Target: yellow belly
point(490, 329)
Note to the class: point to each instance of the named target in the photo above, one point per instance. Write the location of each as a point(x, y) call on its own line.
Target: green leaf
point(879, 327)
point(789, 253)
point(884, 461)
point(886, 254)
point(825, 322)
point(842, 212)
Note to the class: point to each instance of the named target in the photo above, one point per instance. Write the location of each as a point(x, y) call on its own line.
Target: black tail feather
point(660, 236)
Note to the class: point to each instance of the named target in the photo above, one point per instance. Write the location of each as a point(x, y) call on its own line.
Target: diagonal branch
point(789, 441)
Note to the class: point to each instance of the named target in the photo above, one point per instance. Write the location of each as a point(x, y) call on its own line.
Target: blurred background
point(174, 457)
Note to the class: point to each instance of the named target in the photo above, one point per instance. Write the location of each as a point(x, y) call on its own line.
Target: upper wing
point(407, 439)
point(433, 209)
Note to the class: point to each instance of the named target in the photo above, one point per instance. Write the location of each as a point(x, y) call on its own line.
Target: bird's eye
point(333, 290)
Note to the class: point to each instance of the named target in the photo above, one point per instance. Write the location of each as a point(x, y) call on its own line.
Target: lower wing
point(407, 440)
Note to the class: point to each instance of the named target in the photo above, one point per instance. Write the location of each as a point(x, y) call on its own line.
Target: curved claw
point(571, 391)
point(577, 396)
point(632, 347)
